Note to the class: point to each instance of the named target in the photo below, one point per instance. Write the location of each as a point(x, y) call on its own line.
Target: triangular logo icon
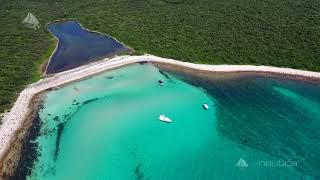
point(242, 164)
point(31, 21)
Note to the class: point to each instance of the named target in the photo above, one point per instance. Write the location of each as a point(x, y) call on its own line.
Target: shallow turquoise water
point(107, 127)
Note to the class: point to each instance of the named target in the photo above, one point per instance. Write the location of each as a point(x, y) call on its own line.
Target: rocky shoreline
point(12, 157)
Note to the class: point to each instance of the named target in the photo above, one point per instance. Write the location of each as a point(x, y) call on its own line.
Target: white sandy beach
point(13, 120)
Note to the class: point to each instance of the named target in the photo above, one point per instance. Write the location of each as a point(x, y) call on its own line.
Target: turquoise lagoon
point(107, 127)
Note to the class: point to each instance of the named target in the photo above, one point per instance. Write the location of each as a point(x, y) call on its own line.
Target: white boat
point(205, 106)
point(165, 119)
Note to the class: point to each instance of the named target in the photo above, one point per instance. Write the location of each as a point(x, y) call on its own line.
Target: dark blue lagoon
point(78, 46)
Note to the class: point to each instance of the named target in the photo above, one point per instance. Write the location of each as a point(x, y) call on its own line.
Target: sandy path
point(14, 120)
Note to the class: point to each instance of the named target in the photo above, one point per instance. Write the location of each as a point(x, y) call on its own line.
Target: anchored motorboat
point(165, 119)
point(160, 83)
point(205, 106)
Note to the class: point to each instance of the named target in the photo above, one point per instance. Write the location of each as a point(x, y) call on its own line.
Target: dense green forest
point(268, 32)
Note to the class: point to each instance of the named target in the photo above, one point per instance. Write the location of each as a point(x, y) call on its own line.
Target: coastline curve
point(14, 120)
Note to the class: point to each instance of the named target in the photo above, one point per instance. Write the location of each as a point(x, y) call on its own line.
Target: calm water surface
point(78, 46)
point(107, 127)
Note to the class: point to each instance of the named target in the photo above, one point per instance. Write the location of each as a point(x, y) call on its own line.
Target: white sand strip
point(15, 118)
